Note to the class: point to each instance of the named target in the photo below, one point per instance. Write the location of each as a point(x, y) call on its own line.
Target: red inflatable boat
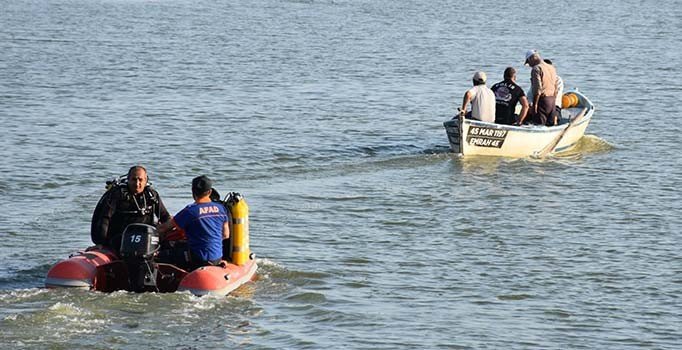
point(137, 269)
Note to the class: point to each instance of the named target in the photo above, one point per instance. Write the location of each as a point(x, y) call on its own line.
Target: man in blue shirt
point(205, 224)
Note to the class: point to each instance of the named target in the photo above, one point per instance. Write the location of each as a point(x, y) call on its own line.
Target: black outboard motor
point(139, 245)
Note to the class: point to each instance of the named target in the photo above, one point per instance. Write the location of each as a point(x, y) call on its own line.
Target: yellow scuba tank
point(239, 228)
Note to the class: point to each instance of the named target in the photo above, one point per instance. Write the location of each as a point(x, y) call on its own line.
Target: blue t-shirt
point(203, 225)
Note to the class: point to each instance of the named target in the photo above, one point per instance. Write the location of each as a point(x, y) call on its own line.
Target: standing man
point(543, 84)
point(507, 95)
point(125, 203)
point(482, 100)
point(205, 224)
point(559, 84)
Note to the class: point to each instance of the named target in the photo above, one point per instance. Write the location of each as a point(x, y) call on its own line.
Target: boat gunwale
point(525, 128)
point(530, 128)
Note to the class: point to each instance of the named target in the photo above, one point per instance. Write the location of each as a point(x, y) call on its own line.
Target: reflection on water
point(593, 144)
point(481, 165)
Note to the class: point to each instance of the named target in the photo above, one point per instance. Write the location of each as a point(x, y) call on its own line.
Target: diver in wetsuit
point(132, 201)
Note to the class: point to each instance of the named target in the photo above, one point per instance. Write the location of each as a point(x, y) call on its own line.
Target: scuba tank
point(97, 236)
point(239, 228)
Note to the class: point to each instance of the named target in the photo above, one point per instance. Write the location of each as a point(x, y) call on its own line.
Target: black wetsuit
point(118, 208)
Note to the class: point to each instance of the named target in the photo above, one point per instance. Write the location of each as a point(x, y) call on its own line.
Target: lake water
point(327, 115)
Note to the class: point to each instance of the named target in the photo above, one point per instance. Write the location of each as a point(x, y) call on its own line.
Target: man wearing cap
point(482, 100)
point(543, 84)
point(205, 224)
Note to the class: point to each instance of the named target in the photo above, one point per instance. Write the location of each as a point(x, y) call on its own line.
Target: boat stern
point(453, 129)
point(218, 280)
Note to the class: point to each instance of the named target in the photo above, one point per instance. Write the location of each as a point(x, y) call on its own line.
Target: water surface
point(327, 116)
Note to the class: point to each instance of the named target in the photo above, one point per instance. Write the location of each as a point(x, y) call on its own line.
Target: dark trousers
point(546, 111)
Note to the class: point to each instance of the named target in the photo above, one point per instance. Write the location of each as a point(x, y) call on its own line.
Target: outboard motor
point(139, 245)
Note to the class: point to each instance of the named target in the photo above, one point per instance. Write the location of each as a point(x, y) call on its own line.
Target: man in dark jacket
point(133, 201)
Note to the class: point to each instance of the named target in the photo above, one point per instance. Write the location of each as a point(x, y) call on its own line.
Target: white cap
point(480, 76)
point(530, 53)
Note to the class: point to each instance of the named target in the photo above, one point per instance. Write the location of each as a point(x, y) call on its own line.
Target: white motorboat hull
point(490, 139)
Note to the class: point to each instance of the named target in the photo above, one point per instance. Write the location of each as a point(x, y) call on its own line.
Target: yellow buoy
point(565, 101)
point(239, 230)
point(569, 100)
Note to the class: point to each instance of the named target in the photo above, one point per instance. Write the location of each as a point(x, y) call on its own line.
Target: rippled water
point(328, 116)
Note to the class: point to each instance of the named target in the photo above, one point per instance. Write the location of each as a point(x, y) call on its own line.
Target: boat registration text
point(486, 137)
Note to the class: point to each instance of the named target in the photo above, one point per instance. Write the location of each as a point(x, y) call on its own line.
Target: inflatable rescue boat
point(137, 268)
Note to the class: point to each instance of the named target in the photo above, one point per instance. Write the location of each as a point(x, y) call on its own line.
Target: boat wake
point(594, 144)
point(399, 150)
point(588, 144)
